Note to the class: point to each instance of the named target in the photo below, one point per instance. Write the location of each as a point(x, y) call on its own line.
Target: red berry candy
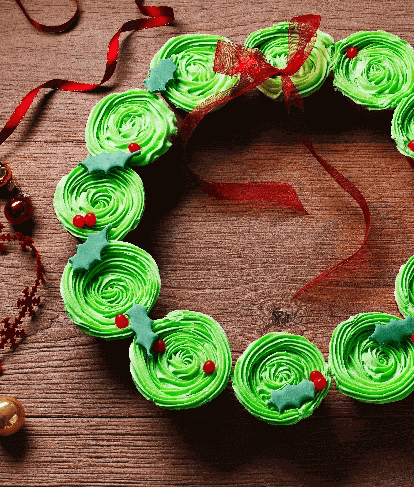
point(18, 209)
point(315, 374)
point(351, 52)
point(78, 221)
point(90, 219)
point(209, 367)
point(121, 321)
point(411, 145)
point(320, 383)
point(412, 337)
point(159, 346)
point(134, 147)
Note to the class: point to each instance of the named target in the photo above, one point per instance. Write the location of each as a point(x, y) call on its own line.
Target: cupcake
point(192, 367)
point(131, 117)
point(279, 365)
point(374, 69)
point(273, 43)
point(402, 126)
point(104, 280)
point(365, 369)
point(404, 288)
point(194, 80)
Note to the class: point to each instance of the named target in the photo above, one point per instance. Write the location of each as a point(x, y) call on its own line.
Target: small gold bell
point(11, 415)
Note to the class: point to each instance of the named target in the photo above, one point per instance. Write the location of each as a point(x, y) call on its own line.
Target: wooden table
point(237, 262)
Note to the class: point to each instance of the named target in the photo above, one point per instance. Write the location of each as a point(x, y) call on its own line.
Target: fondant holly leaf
point(394, 331)
point(160, 75)
point(141, 324)
point(105, 161)
point(292, 395)
point(90, 251)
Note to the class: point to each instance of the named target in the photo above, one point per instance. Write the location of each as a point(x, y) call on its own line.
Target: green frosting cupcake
point(125, 275)
point(273, 43)
point(195, 80)
point(404, 287)
point(135, 116)
point(116, 198)
point(402, 126)
point(363, 369)
point(380, 75)
point(175, 379)
point(269, 364)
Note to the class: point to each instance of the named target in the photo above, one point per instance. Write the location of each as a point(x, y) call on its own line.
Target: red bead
point(412, 337)
point(411, 145)
point(315, 374)
point(78, 221)
point(209, 367)
point(159, 346)
point(18, 209)
point(351, 52)
point(121, 321)
point(90, 219)
point(320, 383)
point(134, 147)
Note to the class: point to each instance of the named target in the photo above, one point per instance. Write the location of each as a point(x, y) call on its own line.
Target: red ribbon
point(159, 16)
point(50, 28)
point(253, 70)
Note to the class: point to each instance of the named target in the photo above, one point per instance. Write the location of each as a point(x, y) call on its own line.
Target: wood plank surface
point(237, 262)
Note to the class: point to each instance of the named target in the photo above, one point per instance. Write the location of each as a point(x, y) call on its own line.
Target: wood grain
point(238, 262)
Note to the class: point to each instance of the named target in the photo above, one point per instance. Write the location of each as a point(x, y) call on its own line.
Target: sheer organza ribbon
point(158, 16)
point(252, 69)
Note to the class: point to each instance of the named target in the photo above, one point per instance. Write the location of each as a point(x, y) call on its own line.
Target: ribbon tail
point(352, 190)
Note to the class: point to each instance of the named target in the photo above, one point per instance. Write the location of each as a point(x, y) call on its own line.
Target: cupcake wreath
point(109, 286)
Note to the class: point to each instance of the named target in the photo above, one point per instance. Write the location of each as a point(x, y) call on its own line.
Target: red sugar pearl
point(134, 147)
point(412, 337)
point(320, 383)
point(411, 145)
point(351, 52)
point(121, 321)
point(78, 221)
point(314, 375)
point(90, 219)
point(209, 367)
point(159, 346)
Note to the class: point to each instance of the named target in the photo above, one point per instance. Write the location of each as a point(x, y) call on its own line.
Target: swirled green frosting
point(268, 364)
point(402, 126)
point(364, 370)
point(195, 80)
point(381, 74)
point(404, 288)
point(134, 116)
point(273, 43)
point(116, 198)
point(175, 379)
point(125, 275)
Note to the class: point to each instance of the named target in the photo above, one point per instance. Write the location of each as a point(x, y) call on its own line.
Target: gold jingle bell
point(11, 415)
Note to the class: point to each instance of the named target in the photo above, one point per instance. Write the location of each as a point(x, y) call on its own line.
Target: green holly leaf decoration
point(141, 324)
point(105, 161)
point(292, 395)
point(90, 251)
point(394, 331)
point(160, 75)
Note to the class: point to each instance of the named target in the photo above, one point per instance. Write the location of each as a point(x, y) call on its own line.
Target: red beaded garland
point(411, 145)
point(351, 52)
point(320, 383)
point(18, 209)
point(209, 367)
point(121, 321)
point(314, 375)
point(78, 221)
point(90, 219)
point(159, 346)
point(134, 147)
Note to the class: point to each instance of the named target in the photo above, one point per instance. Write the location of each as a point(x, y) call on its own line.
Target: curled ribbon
point(252, 69)
point(159, 16)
